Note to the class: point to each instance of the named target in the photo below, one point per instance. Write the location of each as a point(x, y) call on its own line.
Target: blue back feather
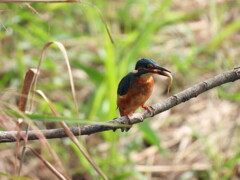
point(127, 80)
point(125, 83)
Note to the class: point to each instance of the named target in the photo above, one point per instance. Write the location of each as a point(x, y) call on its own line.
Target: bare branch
point(183, 96)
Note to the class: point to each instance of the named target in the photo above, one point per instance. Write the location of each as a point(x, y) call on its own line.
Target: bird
point(136, 87)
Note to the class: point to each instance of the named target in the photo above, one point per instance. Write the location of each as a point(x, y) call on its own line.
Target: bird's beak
point(164, 72)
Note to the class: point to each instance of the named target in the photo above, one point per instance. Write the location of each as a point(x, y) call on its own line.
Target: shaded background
point(194, 39)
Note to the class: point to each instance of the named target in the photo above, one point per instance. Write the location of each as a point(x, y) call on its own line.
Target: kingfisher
point(136, 87)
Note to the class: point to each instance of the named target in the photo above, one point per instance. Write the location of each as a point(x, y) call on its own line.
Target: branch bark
point(183, 96)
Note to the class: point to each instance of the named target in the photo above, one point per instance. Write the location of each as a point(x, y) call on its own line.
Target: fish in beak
point(164, 72)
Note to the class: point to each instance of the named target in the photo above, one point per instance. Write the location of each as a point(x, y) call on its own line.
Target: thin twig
point(183, 96)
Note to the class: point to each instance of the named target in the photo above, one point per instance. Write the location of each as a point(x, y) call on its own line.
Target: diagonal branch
point(183, 96)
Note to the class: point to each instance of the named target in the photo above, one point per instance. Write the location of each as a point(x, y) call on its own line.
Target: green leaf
point(150, 135)
point(47, 118)
point(94, 75)
point(219, 38)
point(227, 95)
point(14, 177)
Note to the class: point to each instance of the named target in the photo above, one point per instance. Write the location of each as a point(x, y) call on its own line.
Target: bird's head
point(149, 66)
point(146, 65)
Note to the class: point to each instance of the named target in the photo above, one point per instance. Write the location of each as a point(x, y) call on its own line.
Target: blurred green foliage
point(155, 29)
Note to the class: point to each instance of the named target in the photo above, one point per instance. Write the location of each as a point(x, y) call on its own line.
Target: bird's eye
point(149, 66)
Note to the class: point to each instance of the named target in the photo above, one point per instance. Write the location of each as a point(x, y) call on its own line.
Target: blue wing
point(125, 84)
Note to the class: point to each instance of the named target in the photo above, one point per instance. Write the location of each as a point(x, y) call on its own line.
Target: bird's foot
point(149, 109)
point(126, 129)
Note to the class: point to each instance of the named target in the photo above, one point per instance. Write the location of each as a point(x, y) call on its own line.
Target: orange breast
point(137, 95)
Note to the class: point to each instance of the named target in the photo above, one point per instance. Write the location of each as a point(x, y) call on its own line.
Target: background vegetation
point(194, 39)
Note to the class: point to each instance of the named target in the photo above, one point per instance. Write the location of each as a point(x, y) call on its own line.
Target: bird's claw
point(146, 108)
point(126, 129)
point(149, 109)
point(152, 111)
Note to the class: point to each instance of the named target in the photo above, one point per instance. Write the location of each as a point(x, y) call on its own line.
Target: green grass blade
point(97, 101)
point(219, 38)
point(94, 75)
point(14, 177)
point(150, 135)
